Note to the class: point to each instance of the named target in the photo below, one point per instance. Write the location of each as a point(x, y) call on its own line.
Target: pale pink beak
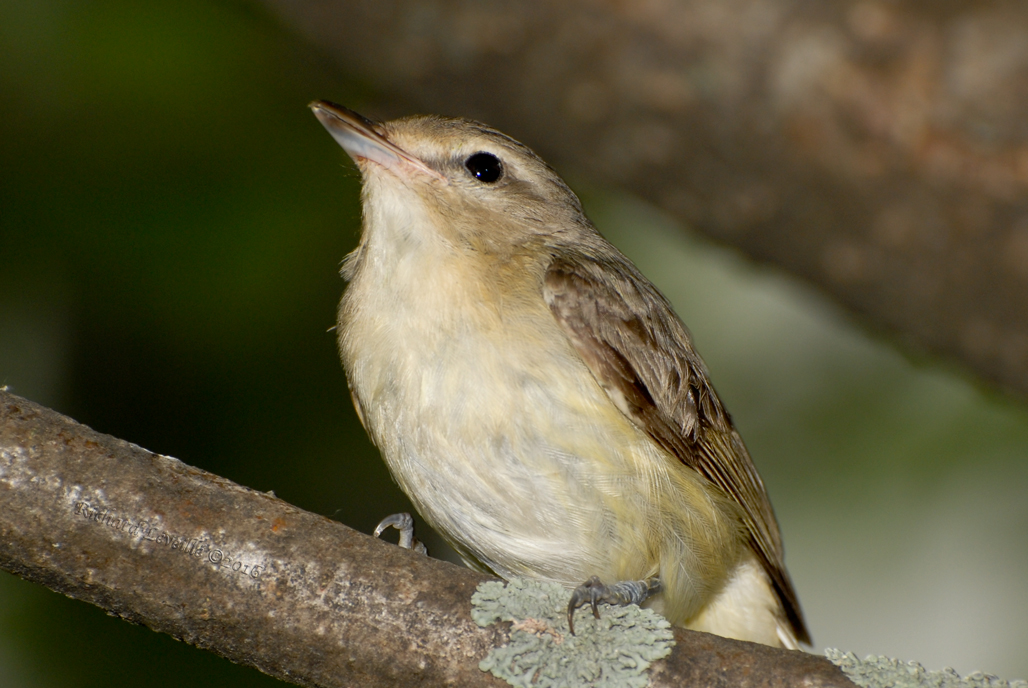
point(361, 140)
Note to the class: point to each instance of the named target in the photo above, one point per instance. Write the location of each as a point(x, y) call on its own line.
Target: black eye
point(485, 167)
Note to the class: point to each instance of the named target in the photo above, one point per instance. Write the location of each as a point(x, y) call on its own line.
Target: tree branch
point(262, 583)
point(875, 148)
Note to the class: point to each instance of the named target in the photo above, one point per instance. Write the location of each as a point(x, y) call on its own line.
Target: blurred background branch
point(172, 220)
point(878, 149)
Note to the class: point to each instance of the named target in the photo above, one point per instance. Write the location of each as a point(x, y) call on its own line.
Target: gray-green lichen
point(612, 651)
point(885, 672)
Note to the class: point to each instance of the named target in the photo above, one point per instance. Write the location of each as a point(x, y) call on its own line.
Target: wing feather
point(641, 354)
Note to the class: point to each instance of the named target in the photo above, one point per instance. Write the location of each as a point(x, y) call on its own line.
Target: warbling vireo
point(535, 396)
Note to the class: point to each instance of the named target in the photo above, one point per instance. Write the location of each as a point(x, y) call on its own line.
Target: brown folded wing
point(641, 354)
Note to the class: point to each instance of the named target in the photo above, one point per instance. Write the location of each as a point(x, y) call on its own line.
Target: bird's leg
point(622, 593)
point(405, 524)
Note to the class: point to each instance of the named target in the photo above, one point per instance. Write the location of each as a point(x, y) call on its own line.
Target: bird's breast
point(485, 414)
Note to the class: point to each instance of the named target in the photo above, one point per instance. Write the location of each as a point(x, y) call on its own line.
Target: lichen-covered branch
point(254, 579)
point(878, 149)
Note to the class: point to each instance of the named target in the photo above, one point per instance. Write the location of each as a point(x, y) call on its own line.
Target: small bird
point(536, 396)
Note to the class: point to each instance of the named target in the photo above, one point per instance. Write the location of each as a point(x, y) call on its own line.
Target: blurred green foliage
point(171, 224)
point(177, 216)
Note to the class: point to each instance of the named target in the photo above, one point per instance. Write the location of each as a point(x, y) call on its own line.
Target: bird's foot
point(622, 593)
point(405, 524)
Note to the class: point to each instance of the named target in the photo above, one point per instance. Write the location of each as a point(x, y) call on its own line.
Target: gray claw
point(622, 593)
point(405, 524)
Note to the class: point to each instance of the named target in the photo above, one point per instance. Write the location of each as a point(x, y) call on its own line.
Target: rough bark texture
point(879, 149)
point(222, 567)
point(254, 579)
